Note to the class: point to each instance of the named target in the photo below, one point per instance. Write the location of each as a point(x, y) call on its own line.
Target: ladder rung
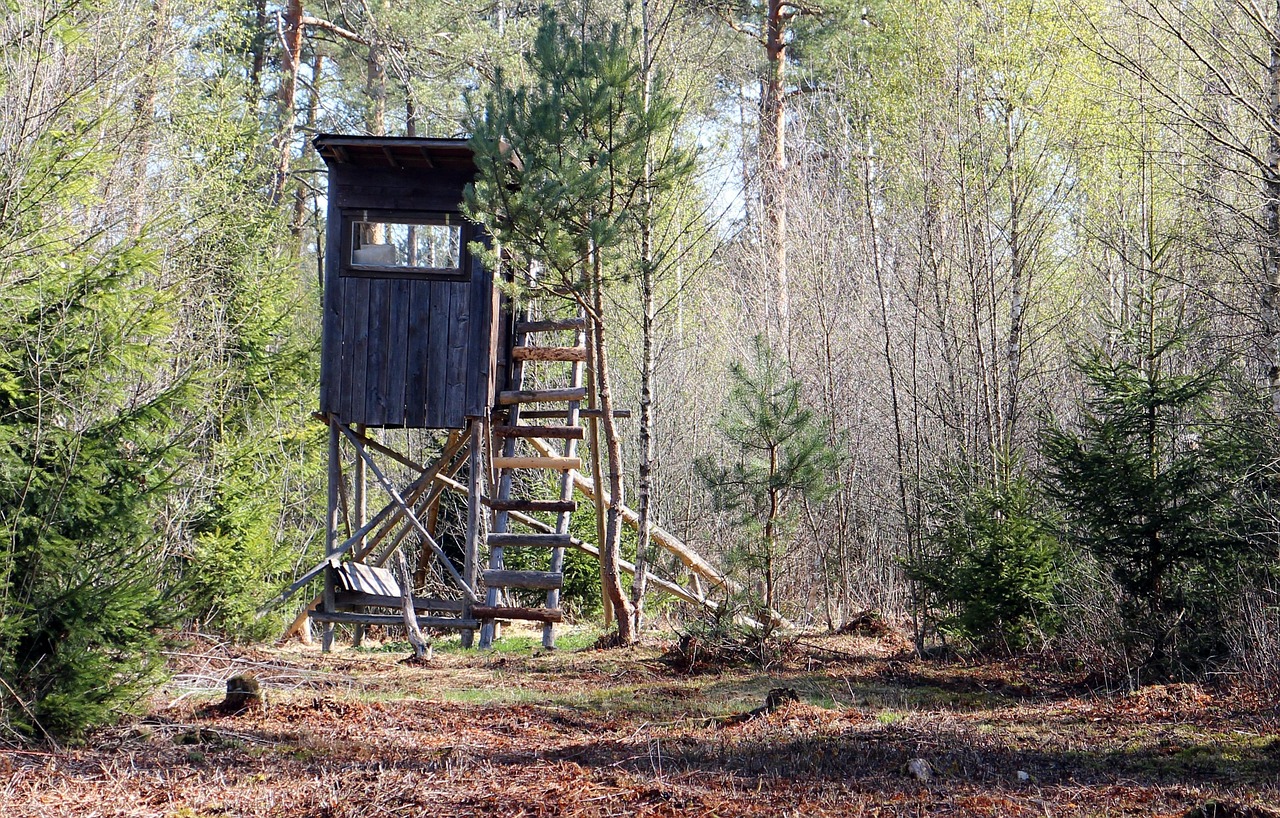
point(538, 462)
point(541, 395)
point(529, 540)
point(551, 325)
point(549, 353)
point(528, 614)
point(557, 506)
point(563, 432)
point(542, 414)
point(531, 580)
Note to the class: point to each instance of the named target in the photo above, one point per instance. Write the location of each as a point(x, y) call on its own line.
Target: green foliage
point(993, 562)
point(579, 134)
point(88, 444)
point(252, 503)
point(781, 451)
point(1149, 484)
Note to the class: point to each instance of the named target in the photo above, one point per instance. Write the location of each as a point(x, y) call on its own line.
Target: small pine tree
point(994, 563)
point(563, 163)
point(781, 451)
point(1147, 484)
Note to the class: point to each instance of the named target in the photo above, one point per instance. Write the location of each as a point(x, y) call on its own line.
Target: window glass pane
point(393, 244)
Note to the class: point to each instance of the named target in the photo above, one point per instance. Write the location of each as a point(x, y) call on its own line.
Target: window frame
point(352, 216)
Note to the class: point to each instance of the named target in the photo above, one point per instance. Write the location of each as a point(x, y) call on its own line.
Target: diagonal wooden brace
point(390, 489)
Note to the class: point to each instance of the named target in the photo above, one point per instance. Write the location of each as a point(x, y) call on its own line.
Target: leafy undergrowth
point(522, 732)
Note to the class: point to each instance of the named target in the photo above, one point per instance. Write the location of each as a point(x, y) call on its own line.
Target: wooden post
point(421, 645)
point(471, 558)
point(331, 536)
point(361, 511)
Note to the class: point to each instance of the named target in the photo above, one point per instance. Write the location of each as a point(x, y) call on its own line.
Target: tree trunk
point(376, 88)
point(773, 163)
point(610, 549)
point(291, 33)
point(313, 116)
point(647, 363)
point(1017, 294)
point(144, 111)
point(259, 50)
point(1271, 222)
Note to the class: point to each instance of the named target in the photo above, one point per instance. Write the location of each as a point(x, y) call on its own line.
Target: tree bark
point(647, 363)
point(610, 549)
point(144, 109)
point(1271, 221)
point(376, 88)
point(259, 50)
point(313, 116)
point(1017, 287)
point(773, 159)
point(291, 33)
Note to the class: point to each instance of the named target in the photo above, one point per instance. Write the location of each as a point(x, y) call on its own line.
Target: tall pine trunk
point(610, 549)
point(773, 159)
point(290, 58)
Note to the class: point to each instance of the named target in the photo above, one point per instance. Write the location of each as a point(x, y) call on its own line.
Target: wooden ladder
point(497, 578)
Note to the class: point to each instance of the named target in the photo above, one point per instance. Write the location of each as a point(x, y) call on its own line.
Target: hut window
point(425, 246)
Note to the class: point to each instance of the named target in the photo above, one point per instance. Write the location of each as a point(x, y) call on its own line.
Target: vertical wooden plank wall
point(403, 351)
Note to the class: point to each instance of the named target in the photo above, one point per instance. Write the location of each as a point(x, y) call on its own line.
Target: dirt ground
point(523, 732)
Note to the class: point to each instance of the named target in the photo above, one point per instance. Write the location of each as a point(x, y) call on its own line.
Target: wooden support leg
point(361, 512)
point(471, 561)
point(331, 536)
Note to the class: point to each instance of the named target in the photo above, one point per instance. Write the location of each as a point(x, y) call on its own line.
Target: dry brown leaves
point(610, 733)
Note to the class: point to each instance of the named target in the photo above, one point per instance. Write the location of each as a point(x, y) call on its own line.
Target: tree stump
point(244, 692)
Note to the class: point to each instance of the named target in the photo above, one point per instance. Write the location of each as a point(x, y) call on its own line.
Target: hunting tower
point(418, 336)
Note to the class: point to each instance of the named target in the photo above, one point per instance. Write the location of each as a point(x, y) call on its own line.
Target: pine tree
point(88, 443)
point(563, 161)
point(994, 563)
point(1148, 485)
point(781, 452)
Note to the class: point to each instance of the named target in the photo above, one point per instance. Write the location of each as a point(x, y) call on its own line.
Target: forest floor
point(523, 732)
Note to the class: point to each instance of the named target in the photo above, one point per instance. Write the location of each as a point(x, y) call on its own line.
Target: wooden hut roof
point(399, 152)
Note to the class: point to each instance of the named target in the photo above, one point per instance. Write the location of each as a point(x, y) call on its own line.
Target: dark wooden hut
point(412, 318)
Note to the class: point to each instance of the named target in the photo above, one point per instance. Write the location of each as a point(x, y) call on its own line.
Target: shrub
point(992, 565)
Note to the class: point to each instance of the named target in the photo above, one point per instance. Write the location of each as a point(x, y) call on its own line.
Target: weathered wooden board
point(368, 579)
point(551, 325)
point(541, 395)
point(504, 540)
point(456, 359)
point(438, 353)
point(418, 344)
point(562, 432)
point(562, 463)
point(358, 360)
point(397, 353)
point(554, 506)
point(362, 600)
point(379, 346)
point(395, 619)
point(549, 353)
